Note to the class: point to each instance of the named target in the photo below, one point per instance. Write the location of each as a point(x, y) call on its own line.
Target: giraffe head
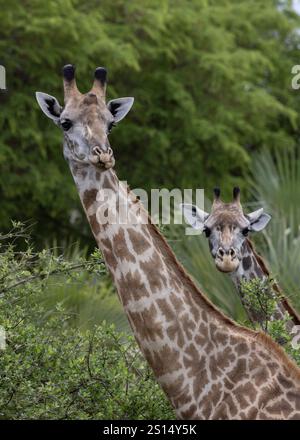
point(86, 120)
point(226, 228)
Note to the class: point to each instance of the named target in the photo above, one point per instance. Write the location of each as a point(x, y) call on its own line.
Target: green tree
point(211, 80)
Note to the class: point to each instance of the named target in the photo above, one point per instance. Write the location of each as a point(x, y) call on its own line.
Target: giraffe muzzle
point(102, 158)
point(227, 261)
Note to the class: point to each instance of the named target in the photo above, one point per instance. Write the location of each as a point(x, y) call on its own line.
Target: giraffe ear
point(120, 107)
point(49, 105)
point(194, 216)
point(258, 220)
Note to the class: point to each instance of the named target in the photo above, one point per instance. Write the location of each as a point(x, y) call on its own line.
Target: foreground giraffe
point(227, 229)
point(208, 366)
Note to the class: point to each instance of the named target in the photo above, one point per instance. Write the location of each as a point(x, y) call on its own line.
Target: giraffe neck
point(196, 353)
point(253, 267)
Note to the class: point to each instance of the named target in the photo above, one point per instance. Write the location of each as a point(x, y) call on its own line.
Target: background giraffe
point(227, 228)
point(208, 366)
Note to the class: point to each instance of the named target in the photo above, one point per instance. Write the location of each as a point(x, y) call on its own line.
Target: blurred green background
point(213, 105)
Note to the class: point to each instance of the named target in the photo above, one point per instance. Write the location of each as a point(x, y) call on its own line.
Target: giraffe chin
point(227, 264)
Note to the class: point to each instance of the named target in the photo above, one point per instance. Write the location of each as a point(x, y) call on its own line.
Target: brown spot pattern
point(120, 248)
point(154, 270)
point(133, 288)
point(94, 224)
point(139, 243)
point(89, 197)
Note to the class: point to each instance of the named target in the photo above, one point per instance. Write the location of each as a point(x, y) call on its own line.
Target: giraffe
point(227, 229)
point(208, 366)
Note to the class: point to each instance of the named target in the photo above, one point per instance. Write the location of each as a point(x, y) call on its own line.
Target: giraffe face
point(86, 120)
point(226, 231)
point(226, 228)
point(86, 123)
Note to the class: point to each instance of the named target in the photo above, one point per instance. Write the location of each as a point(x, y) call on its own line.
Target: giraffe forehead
point(86, 107)
point(227, 217)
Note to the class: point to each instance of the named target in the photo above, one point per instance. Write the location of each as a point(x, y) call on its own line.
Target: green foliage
point(53, 370)
point(258, 296)
point(89, 298)
point(211, 81)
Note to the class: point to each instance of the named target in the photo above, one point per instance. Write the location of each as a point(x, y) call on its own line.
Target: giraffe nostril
point(232, 253)
point(221, 252)
point(96, 150)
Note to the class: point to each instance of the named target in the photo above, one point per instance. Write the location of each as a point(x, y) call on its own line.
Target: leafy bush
point(51, 369)
point(258, 296)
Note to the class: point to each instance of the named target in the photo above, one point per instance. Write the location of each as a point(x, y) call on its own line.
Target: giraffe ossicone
point(208, 366)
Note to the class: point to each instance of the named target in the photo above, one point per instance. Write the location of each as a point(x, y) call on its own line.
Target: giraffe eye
point(110, 126)
point(245, 232)
point(66, 124)
point(206, 231)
